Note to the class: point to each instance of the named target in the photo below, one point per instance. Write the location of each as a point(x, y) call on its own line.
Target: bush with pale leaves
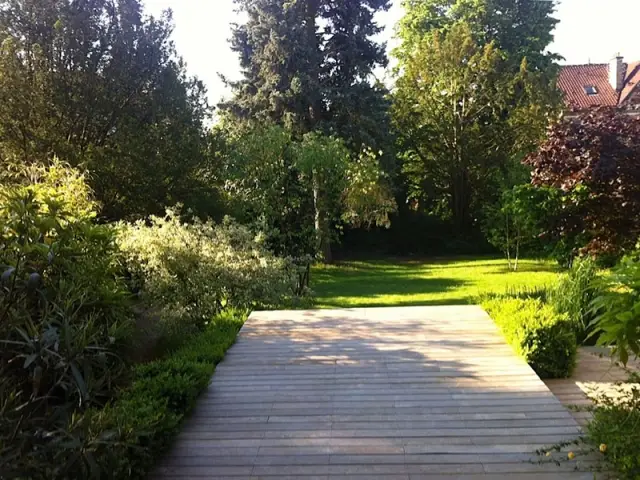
point(190, 272)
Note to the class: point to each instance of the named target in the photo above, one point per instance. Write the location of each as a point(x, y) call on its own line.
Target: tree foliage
point(520, 29)
point(265, 189)
point(99, 85)
point(462, 117)
point(323, 161)
point(476, 87)
point(594, 159)
point(368, 198)
point(298, 191)
point(516, 224)
point(308, 65)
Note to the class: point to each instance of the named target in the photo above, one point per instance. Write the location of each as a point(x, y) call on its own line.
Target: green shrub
point(64, 317)
point(574, 293)
point(127, 437)
point(179, 383)
point(544, 338)
point(67, 187)
point(192, 272)
point(617, 308)
point(139, 434)
point(616, 425)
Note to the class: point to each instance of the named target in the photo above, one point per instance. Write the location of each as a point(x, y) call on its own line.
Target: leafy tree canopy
point(299, 191)
point(463, 117)
point(519, 28)
point(594, 160)
point(97, 84)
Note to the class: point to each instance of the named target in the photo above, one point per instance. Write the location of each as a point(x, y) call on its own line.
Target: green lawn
point(422, 282)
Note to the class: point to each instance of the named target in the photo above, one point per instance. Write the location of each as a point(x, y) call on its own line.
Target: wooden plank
point(596, 374)
point(399, 393)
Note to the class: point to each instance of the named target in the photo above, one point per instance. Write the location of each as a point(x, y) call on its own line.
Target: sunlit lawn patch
point(397, 282)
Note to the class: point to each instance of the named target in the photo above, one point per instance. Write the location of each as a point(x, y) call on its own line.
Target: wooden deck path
point(386, 393)
point(595, 375)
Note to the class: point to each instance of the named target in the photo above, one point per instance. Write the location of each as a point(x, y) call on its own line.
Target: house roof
point(575, 80)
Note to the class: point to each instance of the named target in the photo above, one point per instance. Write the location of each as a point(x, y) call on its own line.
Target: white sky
point(589, 31)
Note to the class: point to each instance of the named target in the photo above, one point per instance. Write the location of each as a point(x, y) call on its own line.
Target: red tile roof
point(574, 78)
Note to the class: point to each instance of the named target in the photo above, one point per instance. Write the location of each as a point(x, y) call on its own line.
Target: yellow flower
point(603, 447)
point(571, 455)
point(548, 454)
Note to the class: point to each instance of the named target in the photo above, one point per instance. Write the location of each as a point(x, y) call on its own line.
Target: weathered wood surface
point(596, 375)
point(385, 393)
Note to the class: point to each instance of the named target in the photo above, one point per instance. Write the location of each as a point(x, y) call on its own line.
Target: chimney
point(616, 73)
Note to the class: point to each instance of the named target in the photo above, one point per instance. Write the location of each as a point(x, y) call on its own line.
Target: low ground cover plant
point(615, 431)
point(538, 333)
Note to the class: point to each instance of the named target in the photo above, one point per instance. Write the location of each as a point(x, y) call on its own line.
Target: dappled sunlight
point(419, 282)
point(595, 376)
point(382, 391)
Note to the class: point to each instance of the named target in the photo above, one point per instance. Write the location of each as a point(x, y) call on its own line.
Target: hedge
point(540, 335)
point(129, 436)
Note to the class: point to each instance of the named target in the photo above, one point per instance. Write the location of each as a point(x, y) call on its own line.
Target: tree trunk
point(313, 92)
point(515, 268)
point(461, 199)
point(323, 235)
point(508, 241)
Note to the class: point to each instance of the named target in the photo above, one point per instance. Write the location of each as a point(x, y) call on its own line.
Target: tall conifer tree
point(309, 64)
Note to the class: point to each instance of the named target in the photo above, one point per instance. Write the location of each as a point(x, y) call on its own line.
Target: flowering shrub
point(191, 272)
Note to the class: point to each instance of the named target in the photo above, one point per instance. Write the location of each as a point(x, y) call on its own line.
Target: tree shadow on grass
point(409, 282)
point(434, 265)
point(371, 290)
point(375, 286)
point(378, 266)
point(449, 301)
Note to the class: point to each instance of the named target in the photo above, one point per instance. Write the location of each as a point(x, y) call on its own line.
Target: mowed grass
point(399, 282)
